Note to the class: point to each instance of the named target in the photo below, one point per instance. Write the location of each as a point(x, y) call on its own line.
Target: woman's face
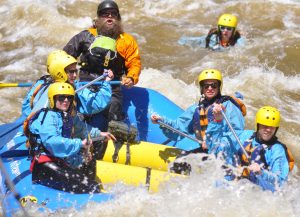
point(226, 32)
point(63, 102)
point(71, 71)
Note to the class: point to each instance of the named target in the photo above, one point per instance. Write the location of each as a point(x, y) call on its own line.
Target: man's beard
point(113, 32)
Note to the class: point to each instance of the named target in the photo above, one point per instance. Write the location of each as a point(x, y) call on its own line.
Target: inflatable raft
point(149, 160)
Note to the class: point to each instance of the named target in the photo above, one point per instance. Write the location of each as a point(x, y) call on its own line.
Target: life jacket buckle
point(107, 59)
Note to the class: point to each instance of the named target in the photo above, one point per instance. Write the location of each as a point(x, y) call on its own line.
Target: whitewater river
point(265, 71)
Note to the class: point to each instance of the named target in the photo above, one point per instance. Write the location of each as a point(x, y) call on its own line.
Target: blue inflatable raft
point(139, 104)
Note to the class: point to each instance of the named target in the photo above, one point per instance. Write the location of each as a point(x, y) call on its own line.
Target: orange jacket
point(127, 47)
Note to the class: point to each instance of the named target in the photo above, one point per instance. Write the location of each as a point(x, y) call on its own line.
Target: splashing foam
point(164, 83)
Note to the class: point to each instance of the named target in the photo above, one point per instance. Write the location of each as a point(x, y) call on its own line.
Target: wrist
point(131, 78)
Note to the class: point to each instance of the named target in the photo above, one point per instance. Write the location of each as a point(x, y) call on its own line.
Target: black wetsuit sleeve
point(78, 44)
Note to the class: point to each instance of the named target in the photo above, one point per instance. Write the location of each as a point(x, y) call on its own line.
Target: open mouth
point(109, 21)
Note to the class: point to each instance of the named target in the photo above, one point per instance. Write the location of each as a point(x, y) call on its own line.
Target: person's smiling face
point(265, 133)
point(210, 88)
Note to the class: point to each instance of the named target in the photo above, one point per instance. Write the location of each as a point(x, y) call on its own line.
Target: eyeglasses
point(62, 98)
point(212, 85)
point(106, 14)
point(72, 71)
point(226, 27)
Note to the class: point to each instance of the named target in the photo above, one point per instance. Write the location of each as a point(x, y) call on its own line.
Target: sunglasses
point(72, 71)
point(226, 27)
point(62, 98)
point(107, 14)
point(212, 85)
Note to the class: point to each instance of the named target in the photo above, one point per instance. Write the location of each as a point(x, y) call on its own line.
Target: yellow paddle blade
point(2, 85)
point(8, 85)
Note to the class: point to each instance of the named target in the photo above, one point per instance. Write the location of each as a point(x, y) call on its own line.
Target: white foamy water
point(265, 71)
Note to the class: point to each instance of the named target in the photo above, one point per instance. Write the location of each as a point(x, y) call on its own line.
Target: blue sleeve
point(241, 41)
point(235, 117)
point(182, 123)
point(278, 170)
point(51, 137)
point(94, 132)
point(94, 102)
point(193, 41)
point(220, 132)
point(26, 109)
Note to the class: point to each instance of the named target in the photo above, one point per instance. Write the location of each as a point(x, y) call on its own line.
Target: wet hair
point(215, 31)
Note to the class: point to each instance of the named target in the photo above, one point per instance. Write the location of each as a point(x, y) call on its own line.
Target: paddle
point(182, 167)
point(43, 104)
point(11, 187)
point(179, 132)
point(236, 137)
point(92, 82)
point(15, 85)
point(3, 85)
point(87, 152)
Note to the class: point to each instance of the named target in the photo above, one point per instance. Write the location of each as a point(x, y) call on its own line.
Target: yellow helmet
point(211, 74)
point(268, 116)
point(59, 88)
point(53, 55)
point(228, 20)
point(58, 65)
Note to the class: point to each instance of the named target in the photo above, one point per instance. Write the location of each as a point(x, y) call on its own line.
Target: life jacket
point(257, 155)
point(97, 59)
point(47, 81)
point(203, 114)
point(237, 102)
point(214, 31)
point(200, 121)
point(32, 143)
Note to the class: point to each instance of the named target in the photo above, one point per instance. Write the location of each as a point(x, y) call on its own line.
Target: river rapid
point(265, 71)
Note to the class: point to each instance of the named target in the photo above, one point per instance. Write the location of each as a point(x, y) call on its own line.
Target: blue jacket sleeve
point(182, 123)
point(94, 102)
point(241, 41)
point(51, 136)
point(278, 170)
point(201, 42)
point(220, 132)
point(193, 41)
